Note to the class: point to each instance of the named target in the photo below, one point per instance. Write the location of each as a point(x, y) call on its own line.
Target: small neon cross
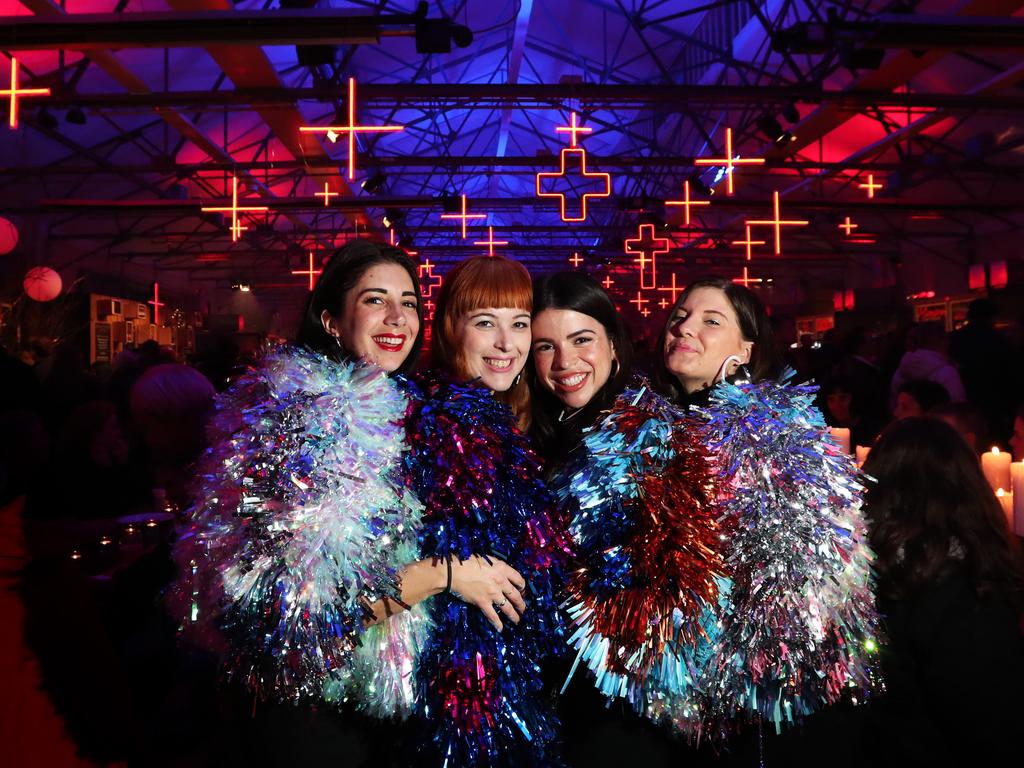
point(674, 289)
point(746, 280)
point(728, 161)
point(646, 247)
point(664, 304)
point(236, 225)
point(464, 216)
point(155, 301)
point(871, 186)
point(639, 301)
point(575, 260)
point(777, 222)
point(326, 194)
point(351, 129)
point(572, 129)
point(311, 272)
point(645, 312)
point(607, 282)
point(14, 92)
point(848, 226)
point(580, 153)
point(490, 242)
point(686, 202)
point(748, 243)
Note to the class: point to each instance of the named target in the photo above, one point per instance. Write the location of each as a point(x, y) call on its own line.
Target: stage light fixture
point(75, 116)
point(790, 113)
point(773, 129)
point(374, 184)
point(46, 119)
point(392, 217)
point(450, 203)
point(698, 185)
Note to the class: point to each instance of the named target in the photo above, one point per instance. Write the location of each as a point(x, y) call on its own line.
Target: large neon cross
point(746, 280)
point(463, 216)
point(326, 194)
point(777, 223)
point(674, 289)
point(572, 129)
point(236, 225)
point(871, 186)
point(639, 301)
point(729, 161)
point(490, 242)
point(848, 226)
point(686, 202)
point(311, 272)
point(155, 301)
point(647, 247)
point(576, 260)
point(426, 269)
point(581, 153)
point(351, 129)
point(748, 243)
point(15, 92)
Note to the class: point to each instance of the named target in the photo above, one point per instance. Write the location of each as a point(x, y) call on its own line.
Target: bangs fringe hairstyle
point(477, 283)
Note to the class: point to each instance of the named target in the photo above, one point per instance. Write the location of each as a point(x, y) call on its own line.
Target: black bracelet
point(448, 586)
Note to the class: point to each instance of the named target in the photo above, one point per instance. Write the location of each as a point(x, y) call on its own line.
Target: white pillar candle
point(996, 466)
point(1006, 502)
point(1017, 479)
point(862, 454)
point(841, 436)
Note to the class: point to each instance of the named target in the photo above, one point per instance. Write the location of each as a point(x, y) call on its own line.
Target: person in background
point(926, 359)
point(1017, 439)
point(965, 419)
point(917, 397)
point(951, 588)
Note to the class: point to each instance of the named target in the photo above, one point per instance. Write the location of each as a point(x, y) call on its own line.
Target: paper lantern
point(8, 236)
point(42, 284)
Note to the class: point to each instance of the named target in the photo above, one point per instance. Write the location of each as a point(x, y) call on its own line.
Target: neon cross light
point(236, 225)
point(748, 243)
point(14, 92)
point(663, 304)
point(155, 301)
point(777, 223)
point(607, 282)
point(351, 129)
point(575, 260)
point(572, 129)
point(326, 194)
point(581, 154)
point(746, 280)
point(686, 202)
point(729, 161)
point(639, 301)
point(311, 272)
point(674, 289)
point(490, 242)
point(848, 226)
point(463, 216)
point(426, 269)
point(871, 186)
point(646, 247)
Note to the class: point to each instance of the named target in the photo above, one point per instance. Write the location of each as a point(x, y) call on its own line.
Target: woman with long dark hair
point(951, 589)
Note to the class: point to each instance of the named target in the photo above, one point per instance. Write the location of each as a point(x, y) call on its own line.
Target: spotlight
point(450, 203)
point(405, 242)
point(771, 128)
point(243, 287)
point(698, 185)
point(75, 116)
point(437, 35)
point(392, 217)
point(790, 113)
point(46, 119)
point(860, 58)
point(374, 184)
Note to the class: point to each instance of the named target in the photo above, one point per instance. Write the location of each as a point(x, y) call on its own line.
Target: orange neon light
point(351, 129)
point(848, 226)
point(576, 260)
point(686, 202)
point(607, 282)
point(426, 269)
point(748, 243)
point(729, 161)
point(647, 249)
point(326, 194)
point(463, 216)
point(15, 92)
point(778, 223)
point(674, 289)
point(582, 154)
point(155, 301)
point(665, 303)
point(490, 242)
point(871, 186)
point(311, 272)
point(640, 301)
point(746, 280)
point(572, 129)
point(236, 225)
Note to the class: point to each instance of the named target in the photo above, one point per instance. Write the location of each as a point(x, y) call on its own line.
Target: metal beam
point(906, 31)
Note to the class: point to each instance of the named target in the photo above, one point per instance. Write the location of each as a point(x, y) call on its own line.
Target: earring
point(516, 380)
point(615, 371)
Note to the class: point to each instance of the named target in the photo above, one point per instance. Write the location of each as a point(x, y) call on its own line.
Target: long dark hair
point(930, 507)
point(755, 325)
point(341, 273)
point(578, 292)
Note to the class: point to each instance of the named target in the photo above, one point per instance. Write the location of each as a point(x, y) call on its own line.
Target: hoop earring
point(615, 371)
point(725, 365)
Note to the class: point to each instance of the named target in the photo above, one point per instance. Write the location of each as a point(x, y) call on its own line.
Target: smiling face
point(493, 343)
point(378, 321)
point(572, 355)
point(702, 333)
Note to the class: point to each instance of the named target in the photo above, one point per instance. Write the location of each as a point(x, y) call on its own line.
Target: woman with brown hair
point(951, 589)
